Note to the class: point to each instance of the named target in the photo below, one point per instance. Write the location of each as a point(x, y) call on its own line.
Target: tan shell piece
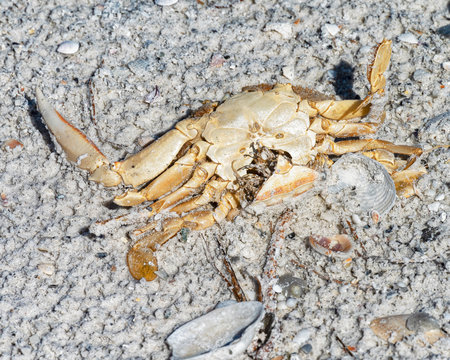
point(340, 244)
point(394, 328)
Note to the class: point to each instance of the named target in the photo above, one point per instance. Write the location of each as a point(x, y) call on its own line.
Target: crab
point(264, 145)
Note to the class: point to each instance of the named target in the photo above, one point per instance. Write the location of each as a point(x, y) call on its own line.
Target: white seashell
point(68, 47)
point(408, 38)
point(223, 333)
point(366, 184)
point(152, 95)
point(282, 28)
point(165, 2)
point(47, 268)
point(332, 29)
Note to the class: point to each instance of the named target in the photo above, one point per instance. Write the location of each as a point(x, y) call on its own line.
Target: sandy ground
point(65, 292)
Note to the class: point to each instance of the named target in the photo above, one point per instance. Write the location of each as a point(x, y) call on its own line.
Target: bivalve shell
point(68, 47)
point(365, 183)
point(394, 328)
point(223, 333)
point(340, 245)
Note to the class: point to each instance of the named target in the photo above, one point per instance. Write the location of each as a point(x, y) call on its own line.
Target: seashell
point(139, 67)
point(223, 333)
point(68, 47)
point(437, 129)
point(292, 286)
point(165, 2)
point(394, 328)
point(366, 183)
point(408, 38)
point(332, 29)
point(340, 245)
point(12, 144)
point(152, 95)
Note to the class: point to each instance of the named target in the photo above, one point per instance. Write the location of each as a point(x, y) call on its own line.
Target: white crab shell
point(269, 119)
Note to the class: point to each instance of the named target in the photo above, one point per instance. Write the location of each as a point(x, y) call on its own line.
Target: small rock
point(47, 268)
point(303, 336)
point(152, 96)
point(446, 65)
point(421, 75)
point(332, 29)
point(68, 47)
point(306, 348)
point(165, 2)
point(434, 206)
point(408, 38)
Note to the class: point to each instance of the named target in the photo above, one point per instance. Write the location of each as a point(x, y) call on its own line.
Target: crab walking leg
point(201, 175)
point(330, 147)
point(78, 148)
point(212, 193)
point(348, 109)
point(141, 259)
point(170, 179)
point(404, 181)
point(342, 128)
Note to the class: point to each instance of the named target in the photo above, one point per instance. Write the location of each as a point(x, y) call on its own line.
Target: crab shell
point(261, 145)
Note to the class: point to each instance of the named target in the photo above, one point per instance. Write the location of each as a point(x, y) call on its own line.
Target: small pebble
point(303, 336)
point(291, 302)
point(68, 47)
point(446, 65)
point(443, 216)
point(306, 348)
point(408, 38)
point(421, 75)
point(332, 29)
point(47, 268)
point(165, 2)
point(277, 288)
point(289, 72)
point(434, 206)
point(439, 197)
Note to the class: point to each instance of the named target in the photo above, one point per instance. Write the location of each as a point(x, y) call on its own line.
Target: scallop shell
point(340, 245)
point(394, 328)
point(223, 333)
point(366, 184)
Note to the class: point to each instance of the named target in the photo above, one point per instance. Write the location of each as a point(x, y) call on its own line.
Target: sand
point(65, 288)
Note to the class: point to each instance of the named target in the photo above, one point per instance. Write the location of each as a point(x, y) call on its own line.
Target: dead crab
point(261, 145)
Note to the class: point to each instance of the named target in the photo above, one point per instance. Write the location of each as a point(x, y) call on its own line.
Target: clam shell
point(366, 184)
point(68, 47)
point(340, 245)
point(223, 333)
point(394, 328)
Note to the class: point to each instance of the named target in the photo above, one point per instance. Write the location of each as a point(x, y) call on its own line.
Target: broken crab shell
point(340, 245)
point(394, 328)
point(223, 333)
point(367, 184)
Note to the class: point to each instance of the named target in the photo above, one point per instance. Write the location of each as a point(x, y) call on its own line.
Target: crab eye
point(279, 136)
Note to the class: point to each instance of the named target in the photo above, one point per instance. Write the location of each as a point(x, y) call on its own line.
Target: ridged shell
point(368, 185)
point(223, 333)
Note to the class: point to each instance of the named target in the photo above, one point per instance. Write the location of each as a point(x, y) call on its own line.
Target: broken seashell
point(12, 144)
point(394, 328)
point(223, 333)
point(366, 184)
point(339, 245)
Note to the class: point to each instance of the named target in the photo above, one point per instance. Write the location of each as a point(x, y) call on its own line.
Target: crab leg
point(202, 174)
point(348, 109)
point(342, 128)
point(141, 259)
point(170, 179)
point(135, 170)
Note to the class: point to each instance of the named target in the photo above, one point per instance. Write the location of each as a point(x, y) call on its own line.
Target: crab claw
point(78, 148)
